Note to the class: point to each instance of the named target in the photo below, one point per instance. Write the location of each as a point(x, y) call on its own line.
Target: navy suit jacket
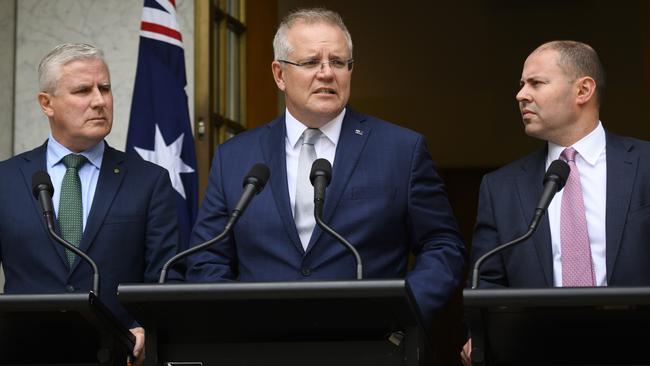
point(385, 198)
point(130, 232)
point(507, 201)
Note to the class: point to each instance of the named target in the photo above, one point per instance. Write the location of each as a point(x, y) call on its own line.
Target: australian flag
point(159, 129)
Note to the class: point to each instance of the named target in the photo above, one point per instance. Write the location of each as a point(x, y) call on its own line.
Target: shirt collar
point(331, 130)
point(56, 152)
point(589, 147)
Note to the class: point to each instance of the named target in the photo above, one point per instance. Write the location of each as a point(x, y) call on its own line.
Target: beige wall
point(113, 26)
point(7, 37)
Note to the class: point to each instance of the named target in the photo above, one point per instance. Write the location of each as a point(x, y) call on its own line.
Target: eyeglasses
point(316, 64)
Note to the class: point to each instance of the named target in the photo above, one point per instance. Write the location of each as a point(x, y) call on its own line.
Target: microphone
point(554, 181)
point(320, 176)
point(43, 190)
point(254, 183)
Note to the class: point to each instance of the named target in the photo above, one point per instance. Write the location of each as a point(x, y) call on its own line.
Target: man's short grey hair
point(50, 66)
point(281, 46)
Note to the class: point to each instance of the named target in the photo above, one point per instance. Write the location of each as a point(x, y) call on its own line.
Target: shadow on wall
point(451, 70)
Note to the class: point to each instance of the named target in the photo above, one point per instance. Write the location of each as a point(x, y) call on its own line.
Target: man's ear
point(278, 75)
point(586, 90)
point(45, 101)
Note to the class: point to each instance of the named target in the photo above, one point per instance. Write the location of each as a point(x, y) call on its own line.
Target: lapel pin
point(358, 132)
point(116, 170)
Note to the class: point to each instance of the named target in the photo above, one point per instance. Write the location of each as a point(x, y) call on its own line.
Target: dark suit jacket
point(130, 232)
point(385, 198)
point(508, 198)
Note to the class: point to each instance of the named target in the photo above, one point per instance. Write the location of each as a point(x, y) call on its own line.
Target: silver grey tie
point(304, 209)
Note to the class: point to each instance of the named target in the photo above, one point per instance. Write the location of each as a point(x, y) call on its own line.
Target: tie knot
point(569, 154)
point(74, 161)
point(310, 136)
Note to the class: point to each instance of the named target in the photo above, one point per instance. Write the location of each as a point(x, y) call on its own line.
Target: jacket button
point(69, 288)
point(306, 272)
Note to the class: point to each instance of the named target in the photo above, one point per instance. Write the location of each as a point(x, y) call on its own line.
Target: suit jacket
point(130, 232)
point(385, 198)
point(507, 201)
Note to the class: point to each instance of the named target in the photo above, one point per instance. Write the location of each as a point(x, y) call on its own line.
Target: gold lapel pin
point(116, 170)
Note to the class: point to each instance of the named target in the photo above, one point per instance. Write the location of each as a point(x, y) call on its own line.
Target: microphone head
point(321, 168)
point(558, 171)
point(41, 181)
point(257, 176)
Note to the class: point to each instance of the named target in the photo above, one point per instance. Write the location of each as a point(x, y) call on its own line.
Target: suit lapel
point(353, 137)
point(622, 164)
point(35, 160)
point(111, 174)
point(273, 149)
point(529, 187)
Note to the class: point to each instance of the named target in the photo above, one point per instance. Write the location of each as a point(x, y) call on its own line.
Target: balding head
point(577, 60)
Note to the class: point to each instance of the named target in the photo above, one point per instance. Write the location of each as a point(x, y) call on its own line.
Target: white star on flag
point(168, 157)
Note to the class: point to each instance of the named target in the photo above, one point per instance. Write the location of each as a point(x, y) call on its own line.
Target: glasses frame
point(305, 65)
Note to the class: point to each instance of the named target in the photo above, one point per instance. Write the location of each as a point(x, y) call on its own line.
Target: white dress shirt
point(88, 174)
point(592, 164)
point(325, 147)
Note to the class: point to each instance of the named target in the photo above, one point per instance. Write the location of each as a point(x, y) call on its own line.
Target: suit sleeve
point(162, 237)
point(218, 262)
point(440, 253)
point(486, 237)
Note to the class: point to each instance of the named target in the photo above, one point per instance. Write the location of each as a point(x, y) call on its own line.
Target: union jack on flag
point(159, 127)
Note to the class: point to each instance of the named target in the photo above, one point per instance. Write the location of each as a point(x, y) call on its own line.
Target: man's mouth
point(526, 112)
point(325, 91)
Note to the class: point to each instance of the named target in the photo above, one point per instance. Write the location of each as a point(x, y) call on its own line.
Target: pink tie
point(577, 269)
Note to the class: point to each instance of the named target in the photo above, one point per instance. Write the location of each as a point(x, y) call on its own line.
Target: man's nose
point(98, 98)
point(523, 94)
point(325, 70)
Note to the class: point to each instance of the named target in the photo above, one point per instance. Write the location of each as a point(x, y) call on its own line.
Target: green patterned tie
point(70, 206)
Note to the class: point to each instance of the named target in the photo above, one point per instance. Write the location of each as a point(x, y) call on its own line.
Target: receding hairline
point(563, 62)
point(310, 20)
point(557, 45)
point(577, 60)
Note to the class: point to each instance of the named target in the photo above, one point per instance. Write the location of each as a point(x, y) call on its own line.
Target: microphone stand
point(318, 212)
point(554, 180)
point(49, 219)
point(174, 259)
point(254, 182)
point(531, 229)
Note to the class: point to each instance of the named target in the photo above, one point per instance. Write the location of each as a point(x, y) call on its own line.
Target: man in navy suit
point(385, 196)
point(127, 220)
point(562, 86)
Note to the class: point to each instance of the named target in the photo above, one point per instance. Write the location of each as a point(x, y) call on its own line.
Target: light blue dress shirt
point(88, 174)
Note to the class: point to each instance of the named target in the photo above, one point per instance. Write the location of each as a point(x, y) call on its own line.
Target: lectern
point(370, 322)
point(70, 329)
point(559, 326)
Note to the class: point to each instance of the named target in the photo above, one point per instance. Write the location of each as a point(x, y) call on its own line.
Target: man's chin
point(331, 110)
point(97, 135)
point(534, 131)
